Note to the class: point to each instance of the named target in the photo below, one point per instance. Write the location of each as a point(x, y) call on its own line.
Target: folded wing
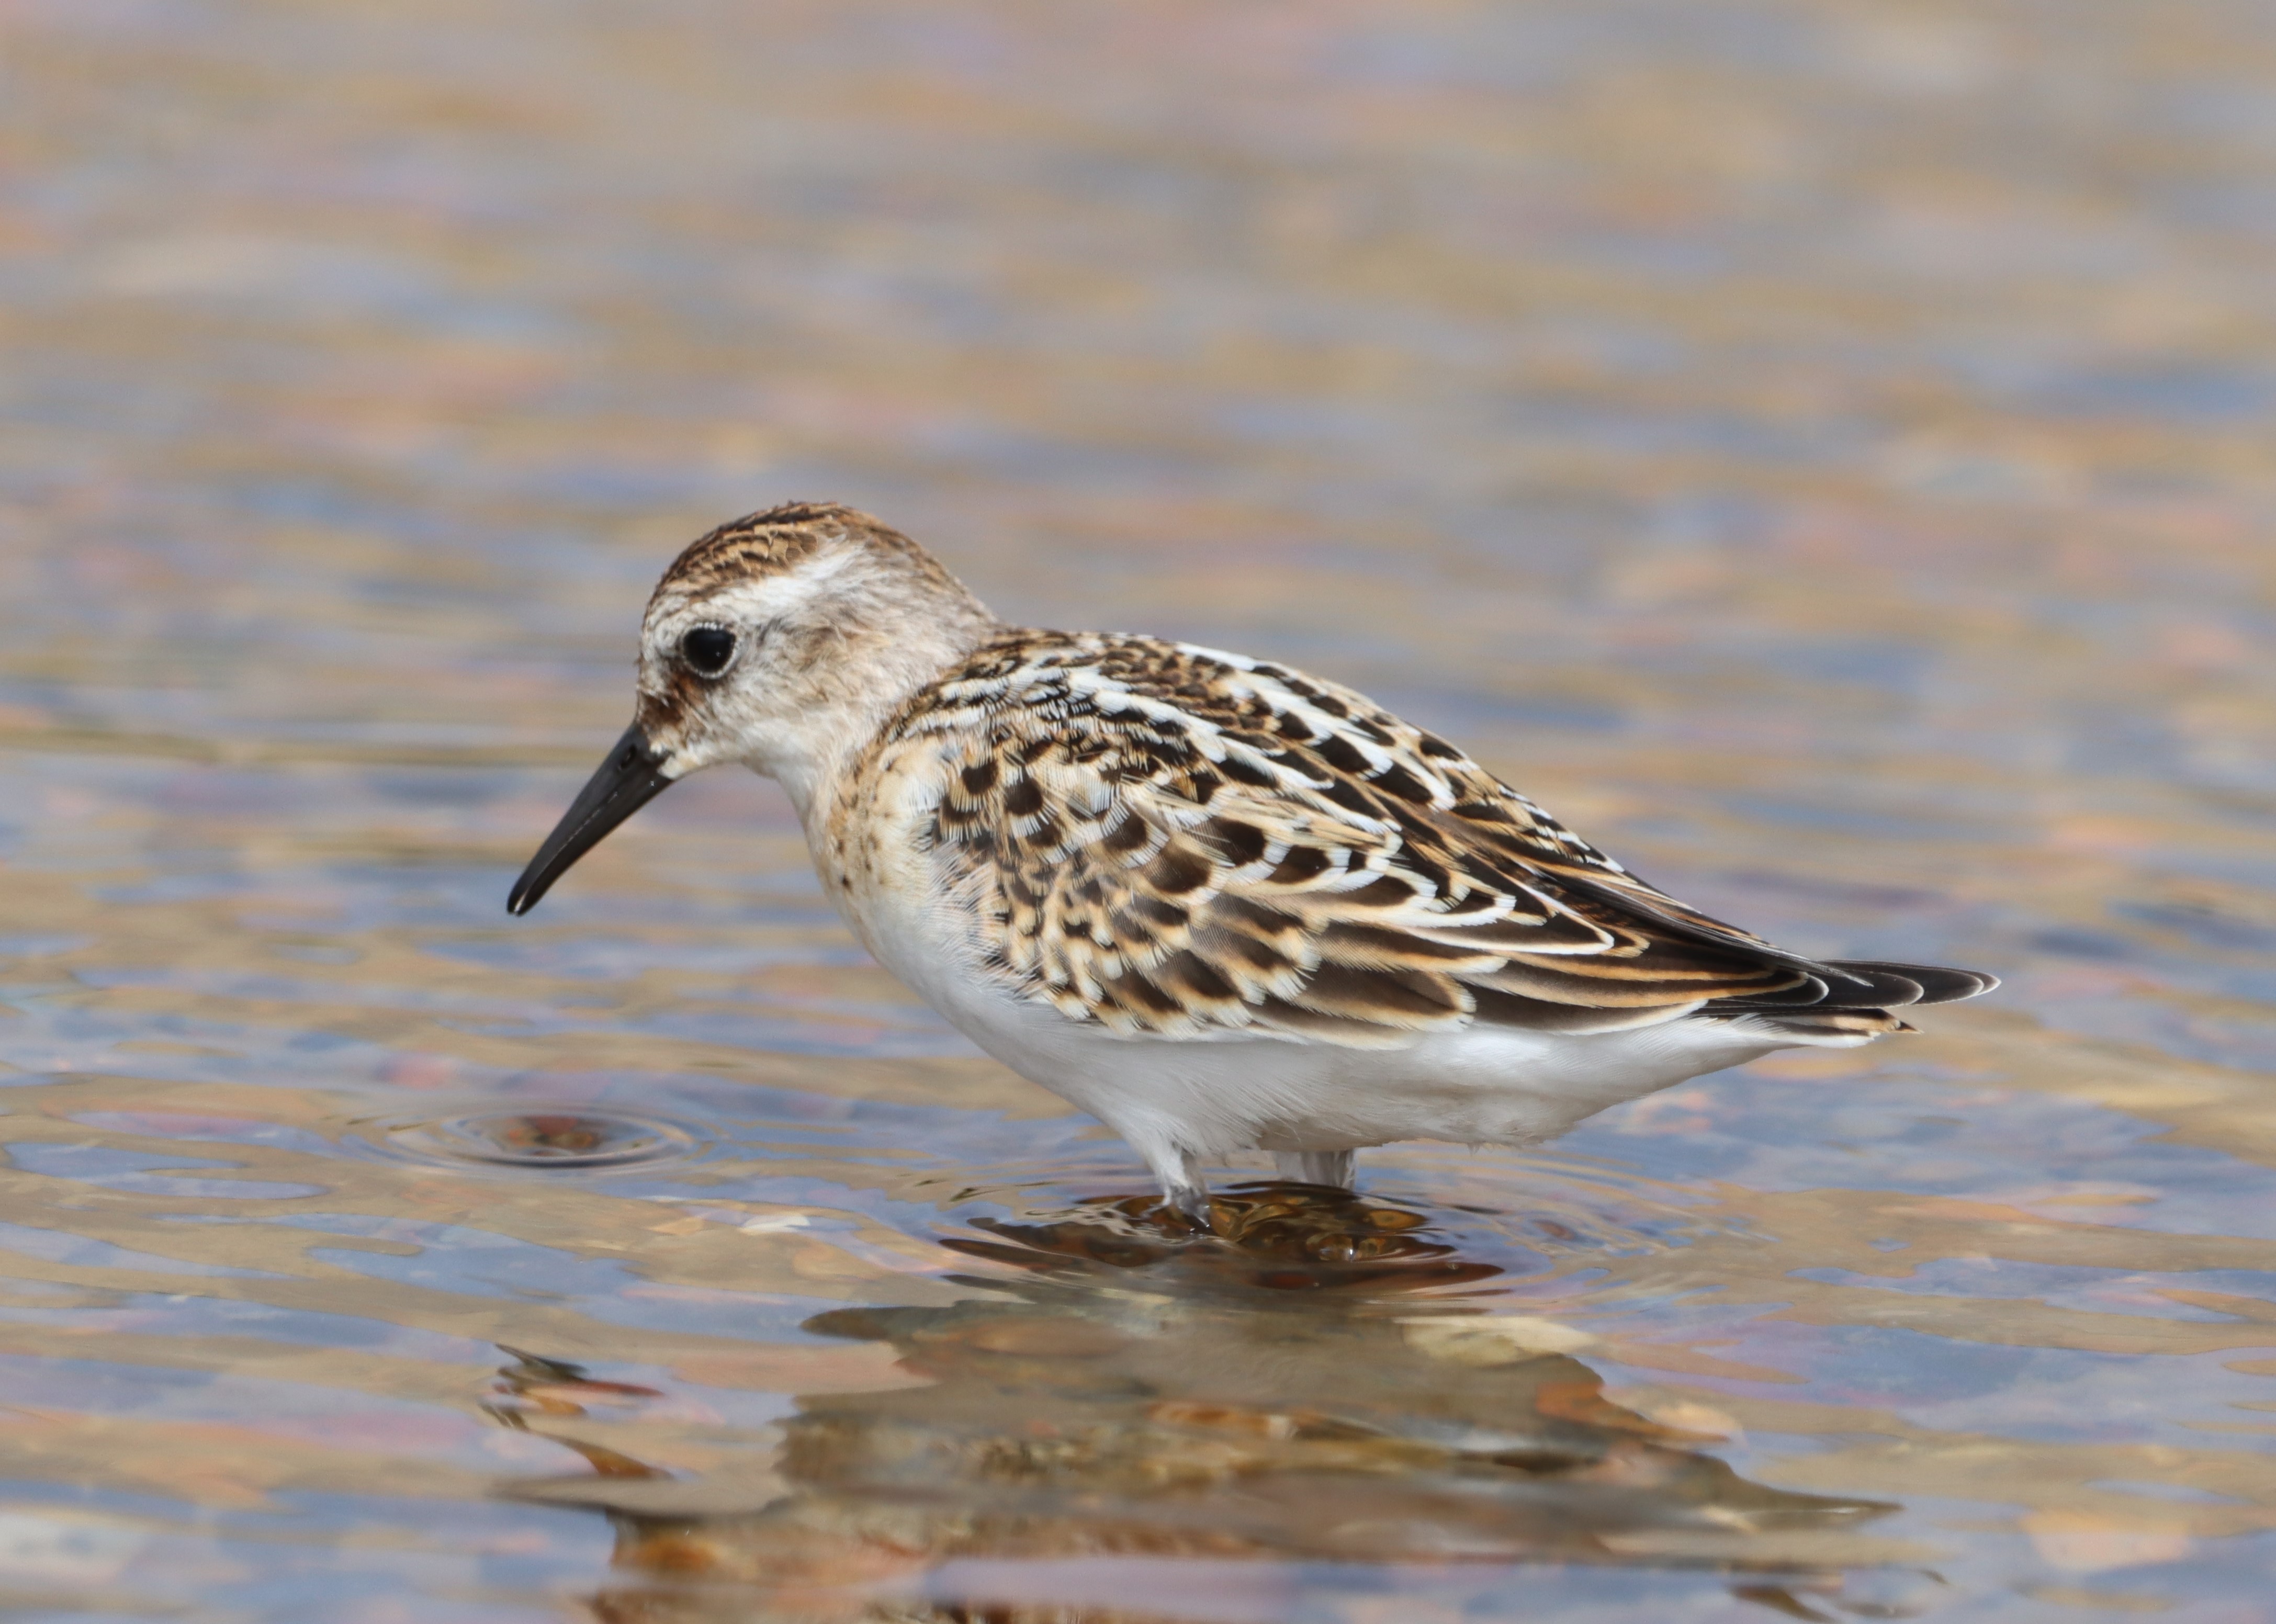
point(1178, 843)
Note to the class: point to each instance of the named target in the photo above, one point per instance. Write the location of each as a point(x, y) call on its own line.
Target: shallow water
point(1822, 449)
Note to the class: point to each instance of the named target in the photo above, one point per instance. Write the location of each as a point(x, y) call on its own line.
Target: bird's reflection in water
point(1247, 1401)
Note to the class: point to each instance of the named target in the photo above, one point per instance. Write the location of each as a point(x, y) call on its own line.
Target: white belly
point(1482, 1086)
point(1175, 1098)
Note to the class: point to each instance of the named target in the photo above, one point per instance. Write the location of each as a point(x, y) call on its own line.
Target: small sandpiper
point(1219, 904)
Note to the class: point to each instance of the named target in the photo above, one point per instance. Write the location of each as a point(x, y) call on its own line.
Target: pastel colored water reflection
point(1822, 449)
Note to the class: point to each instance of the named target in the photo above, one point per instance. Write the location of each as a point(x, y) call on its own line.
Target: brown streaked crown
point(781, 538)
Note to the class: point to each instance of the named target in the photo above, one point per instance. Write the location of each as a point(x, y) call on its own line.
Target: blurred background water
point(1821, 448)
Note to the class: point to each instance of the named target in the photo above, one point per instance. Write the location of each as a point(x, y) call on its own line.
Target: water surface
point(1821, 450)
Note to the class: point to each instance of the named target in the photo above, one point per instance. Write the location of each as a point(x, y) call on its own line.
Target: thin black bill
point(631, 777)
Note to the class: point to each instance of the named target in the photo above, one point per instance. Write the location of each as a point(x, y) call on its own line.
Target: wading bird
point(1217, 903)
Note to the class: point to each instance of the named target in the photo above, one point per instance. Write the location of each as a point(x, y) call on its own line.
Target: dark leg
point(1182, 1184)
point(1330, 1167)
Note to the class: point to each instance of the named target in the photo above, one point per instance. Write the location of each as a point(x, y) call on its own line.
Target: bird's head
point(780, 640)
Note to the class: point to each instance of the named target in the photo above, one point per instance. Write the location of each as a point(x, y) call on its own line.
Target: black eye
point(708, 649)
